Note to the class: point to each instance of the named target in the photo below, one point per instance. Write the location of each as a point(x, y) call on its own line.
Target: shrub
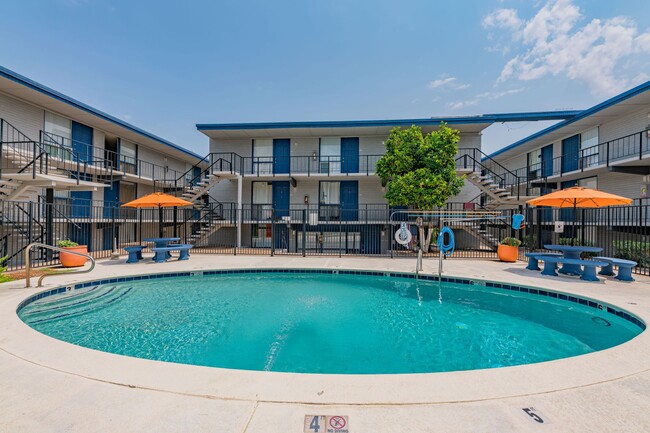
point(633, 250)
point(65, 243)
point(512, 242)
point(3, 268)
point(530, 241)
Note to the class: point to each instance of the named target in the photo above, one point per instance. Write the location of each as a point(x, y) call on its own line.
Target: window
point(57, 136)
point(589, 147)
point(262, 200)
point(263, 156)
point(330, 155)
point(589, 182)
point(534, 164)
point(128, 156)
point(329, 203)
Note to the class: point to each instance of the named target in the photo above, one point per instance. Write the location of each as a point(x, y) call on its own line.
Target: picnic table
point(572, 252)
point(162, 243)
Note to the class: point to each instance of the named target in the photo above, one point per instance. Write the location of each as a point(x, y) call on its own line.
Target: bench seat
point(589, 273)
point(161, 252)
point(533, 262)
point(135, 253)
point(624, 267)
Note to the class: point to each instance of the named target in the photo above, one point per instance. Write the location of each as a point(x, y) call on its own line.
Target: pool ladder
point(28, 262)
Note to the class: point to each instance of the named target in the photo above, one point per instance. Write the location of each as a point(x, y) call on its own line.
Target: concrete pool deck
point(50, 385)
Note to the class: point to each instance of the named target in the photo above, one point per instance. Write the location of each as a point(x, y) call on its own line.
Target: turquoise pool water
point(324, 323)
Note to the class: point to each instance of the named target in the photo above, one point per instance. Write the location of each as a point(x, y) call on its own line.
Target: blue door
point(281, 154)
point(81, 201)
point(350, 155)
point(547, 160)
point(196, 175)
point(349, 200)
point(570, 151)
point(82, 141)
point(111, 198)
point(281, 198)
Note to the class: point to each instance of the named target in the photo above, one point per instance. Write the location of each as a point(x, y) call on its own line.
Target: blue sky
point(165, 66)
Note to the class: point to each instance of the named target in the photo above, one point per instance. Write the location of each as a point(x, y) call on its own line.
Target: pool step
point(73, 305)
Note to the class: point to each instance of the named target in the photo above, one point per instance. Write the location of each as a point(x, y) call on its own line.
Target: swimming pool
point(327, 321)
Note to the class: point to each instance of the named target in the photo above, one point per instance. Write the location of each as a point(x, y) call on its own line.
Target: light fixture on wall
point(314, 155)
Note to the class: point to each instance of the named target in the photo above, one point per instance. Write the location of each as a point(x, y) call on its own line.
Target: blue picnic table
point(572, 252)
point(162, 242)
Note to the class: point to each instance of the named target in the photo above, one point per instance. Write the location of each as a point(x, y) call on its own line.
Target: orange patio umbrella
point(158, 200)
point(579, 197)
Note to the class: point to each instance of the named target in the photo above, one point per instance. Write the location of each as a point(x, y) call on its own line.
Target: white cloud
point(502, 18)
point(447, 82)
point(553, 43)
point(457, 105)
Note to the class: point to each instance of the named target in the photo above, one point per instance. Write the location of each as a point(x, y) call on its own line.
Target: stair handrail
point(28, 262)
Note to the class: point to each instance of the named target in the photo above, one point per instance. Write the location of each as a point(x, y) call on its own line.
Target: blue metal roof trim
point(20, 79)
point(483, 118)
point(581, 115)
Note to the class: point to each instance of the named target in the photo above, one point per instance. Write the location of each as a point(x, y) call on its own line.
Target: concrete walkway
point(49, 385)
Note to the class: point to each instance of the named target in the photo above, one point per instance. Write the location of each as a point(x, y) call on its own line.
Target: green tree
point(420, 170)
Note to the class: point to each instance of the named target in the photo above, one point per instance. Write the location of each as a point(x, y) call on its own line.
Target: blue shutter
point(82, 141)
point(570, 150)
point(350, 155)
point(547, 160)
point(281, 155)
point(349, 200)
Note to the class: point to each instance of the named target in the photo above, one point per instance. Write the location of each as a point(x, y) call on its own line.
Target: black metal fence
point(304, 230)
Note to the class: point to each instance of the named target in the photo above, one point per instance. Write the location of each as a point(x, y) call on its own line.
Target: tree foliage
point(420, 170)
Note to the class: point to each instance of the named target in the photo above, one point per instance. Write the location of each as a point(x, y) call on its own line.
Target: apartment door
point(82, 141)
point(281, 155)
point(349, 200)
point(350, 155)
point(281, 193)
point(547, 160)
point(111, 199)
point(570, 153)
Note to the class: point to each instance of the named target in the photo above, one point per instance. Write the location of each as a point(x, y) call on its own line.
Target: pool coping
point(621, 361)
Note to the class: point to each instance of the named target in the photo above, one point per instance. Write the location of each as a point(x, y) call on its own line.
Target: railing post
point(304, 232)
point(272, 232)
point(607, 156)
point(33, 160)
point(640, 145)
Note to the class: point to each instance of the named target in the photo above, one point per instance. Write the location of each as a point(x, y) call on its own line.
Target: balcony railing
point(330, 165)
point(629, 147)
point(64, 151)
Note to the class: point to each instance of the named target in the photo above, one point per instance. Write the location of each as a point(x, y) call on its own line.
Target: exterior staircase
point(195, 191)
point(501, 188)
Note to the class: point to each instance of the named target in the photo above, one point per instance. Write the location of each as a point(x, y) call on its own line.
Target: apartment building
point(60, 151)
point(323, 174)
point(606, 147)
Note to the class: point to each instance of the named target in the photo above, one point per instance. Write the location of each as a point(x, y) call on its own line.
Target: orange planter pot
point(508, 253)
point(73, 260)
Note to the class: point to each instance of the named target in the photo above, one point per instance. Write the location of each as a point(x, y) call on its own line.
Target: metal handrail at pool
point(28, 262)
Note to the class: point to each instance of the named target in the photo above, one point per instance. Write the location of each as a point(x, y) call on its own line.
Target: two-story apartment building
point(55, 149)
point(323, 174)
point(606, 147)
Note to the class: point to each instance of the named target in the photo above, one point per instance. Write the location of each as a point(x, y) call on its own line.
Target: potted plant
point(508, 250)
point(72, 260)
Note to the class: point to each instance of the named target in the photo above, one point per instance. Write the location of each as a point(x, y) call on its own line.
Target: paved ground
point(50, 386)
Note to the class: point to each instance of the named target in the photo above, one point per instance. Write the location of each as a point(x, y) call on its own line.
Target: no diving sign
point(326, 424)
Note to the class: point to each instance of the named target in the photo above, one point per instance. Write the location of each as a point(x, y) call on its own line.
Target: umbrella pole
point(160, 221)
point(575, 229)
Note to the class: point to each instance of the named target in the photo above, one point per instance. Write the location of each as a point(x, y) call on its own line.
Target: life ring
point(403, 235)
point(446, 249)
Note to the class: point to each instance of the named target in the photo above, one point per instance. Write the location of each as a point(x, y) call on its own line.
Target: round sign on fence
point(403, 235)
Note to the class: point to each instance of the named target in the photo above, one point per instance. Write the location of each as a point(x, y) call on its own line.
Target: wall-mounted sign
point(559, 227)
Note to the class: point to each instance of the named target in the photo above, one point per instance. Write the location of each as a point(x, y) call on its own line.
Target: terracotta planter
point(73, 260)
point(508, 253)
